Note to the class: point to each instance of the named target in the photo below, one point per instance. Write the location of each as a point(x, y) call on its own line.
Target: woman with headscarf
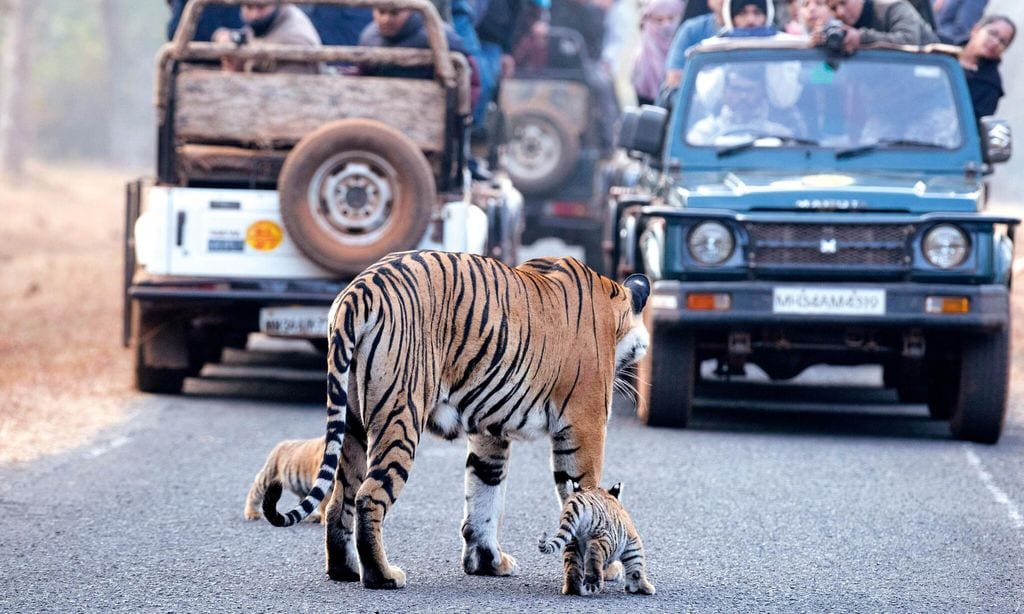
point(658, 25)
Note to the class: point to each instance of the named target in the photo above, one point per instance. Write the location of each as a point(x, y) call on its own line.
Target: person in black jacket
point(212, 18)
point(393, 27)
point(980, 59)
point(497, 28)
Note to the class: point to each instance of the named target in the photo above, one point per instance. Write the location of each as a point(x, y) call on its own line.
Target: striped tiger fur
point(294, 463)
point(598, 531)
point(457, 343)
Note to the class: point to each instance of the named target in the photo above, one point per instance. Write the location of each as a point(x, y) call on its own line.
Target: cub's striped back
point(598, 532)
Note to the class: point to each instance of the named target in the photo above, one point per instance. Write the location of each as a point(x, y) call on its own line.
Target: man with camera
point(875, 21)
point(271, 24)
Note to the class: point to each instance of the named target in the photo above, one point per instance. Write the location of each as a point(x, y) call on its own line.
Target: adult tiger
point(457, 343)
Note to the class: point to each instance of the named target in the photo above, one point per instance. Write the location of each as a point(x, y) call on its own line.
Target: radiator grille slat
point(816, 245)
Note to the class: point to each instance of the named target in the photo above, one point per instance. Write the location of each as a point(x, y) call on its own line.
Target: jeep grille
point(885, 246)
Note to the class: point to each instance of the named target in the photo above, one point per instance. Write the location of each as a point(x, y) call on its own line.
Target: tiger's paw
point(482, 562)
point(394, 578)
point(343, 573)
point(614, 572)
point(591, 586)
point(642, 587)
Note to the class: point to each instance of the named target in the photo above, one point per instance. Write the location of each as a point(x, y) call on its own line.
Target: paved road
point(852, 508)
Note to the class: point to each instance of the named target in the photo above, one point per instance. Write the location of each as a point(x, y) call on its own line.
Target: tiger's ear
point(616, 490)
point(575, 486)
point(640, 288)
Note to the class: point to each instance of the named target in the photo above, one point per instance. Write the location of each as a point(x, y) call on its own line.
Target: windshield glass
point(796, 103)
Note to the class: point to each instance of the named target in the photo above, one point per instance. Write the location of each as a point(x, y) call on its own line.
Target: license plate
point(828, 301)
point(309, 322)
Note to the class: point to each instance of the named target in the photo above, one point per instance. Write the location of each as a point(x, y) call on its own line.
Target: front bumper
point(751, 304)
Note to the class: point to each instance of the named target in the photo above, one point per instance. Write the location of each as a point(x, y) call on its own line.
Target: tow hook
point(913, 344)
point(737, 348)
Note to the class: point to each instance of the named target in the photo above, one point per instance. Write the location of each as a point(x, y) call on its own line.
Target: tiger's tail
point(341, 345)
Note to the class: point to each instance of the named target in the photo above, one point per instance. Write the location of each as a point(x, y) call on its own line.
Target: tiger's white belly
point(446, 421)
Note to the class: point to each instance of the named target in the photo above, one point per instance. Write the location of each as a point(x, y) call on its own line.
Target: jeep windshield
point(855, 105)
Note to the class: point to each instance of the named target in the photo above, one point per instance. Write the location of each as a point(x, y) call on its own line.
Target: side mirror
point(643, 129)
point(996, 140)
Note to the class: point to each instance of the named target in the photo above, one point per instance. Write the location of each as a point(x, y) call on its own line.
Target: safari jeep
point(554, 147)
point(798, 207)
point(274, 189)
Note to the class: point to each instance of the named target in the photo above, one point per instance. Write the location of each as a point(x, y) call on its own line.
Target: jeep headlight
point(945, 246)
point(710, 243)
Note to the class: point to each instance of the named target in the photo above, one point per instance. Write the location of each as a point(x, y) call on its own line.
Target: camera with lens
point(240, 37)
point(833, 35)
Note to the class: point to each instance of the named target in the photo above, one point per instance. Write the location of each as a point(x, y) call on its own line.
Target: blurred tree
point(87, 91)
point(15, 68)
point(118, 135)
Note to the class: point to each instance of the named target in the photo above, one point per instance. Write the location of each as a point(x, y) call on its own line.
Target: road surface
point(848, 506)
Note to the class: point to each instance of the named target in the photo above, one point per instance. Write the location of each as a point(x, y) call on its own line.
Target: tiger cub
point(599, 532)
point(294, 463)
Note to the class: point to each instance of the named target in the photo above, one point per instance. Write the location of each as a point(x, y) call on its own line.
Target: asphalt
point(844, 507)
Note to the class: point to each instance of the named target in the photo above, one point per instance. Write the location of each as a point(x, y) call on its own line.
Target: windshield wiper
point(860, 150)
point(786, 139)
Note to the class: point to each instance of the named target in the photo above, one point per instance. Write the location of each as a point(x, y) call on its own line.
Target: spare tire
point(542, 149)
point(353, 191)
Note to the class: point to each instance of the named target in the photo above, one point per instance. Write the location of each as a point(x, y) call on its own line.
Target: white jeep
point(274, 189)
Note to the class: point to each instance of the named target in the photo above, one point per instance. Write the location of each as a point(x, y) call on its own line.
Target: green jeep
point(799, 207)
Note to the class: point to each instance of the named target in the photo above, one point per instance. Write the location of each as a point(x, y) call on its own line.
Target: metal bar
point(141, 292)
point(431, 21)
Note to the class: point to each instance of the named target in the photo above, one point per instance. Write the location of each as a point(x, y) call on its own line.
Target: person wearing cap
point(754, 17)
point(881, 21)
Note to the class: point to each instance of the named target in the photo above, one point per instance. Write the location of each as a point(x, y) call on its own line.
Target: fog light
point(719, 301)
point(947, 304)
point(665, 301)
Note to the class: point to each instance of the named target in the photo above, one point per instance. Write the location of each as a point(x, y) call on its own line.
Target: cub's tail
point(551, 545)
point(341, 344)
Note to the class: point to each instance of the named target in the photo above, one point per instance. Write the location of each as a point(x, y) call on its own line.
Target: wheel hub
point(534, 150)
point(351, 194)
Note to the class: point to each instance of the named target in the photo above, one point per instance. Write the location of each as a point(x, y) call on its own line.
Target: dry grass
point(64, 376)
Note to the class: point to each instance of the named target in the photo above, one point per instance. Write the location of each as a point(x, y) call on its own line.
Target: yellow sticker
point(827, 181)
point(264, 235)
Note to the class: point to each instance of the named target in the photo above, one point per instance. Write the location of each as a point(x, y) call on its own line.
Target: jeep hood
point(829, 191)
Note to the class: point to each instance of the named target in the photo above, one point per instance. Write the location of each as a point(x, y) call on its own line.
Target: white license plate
point(309, 322)
point(828, 301)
